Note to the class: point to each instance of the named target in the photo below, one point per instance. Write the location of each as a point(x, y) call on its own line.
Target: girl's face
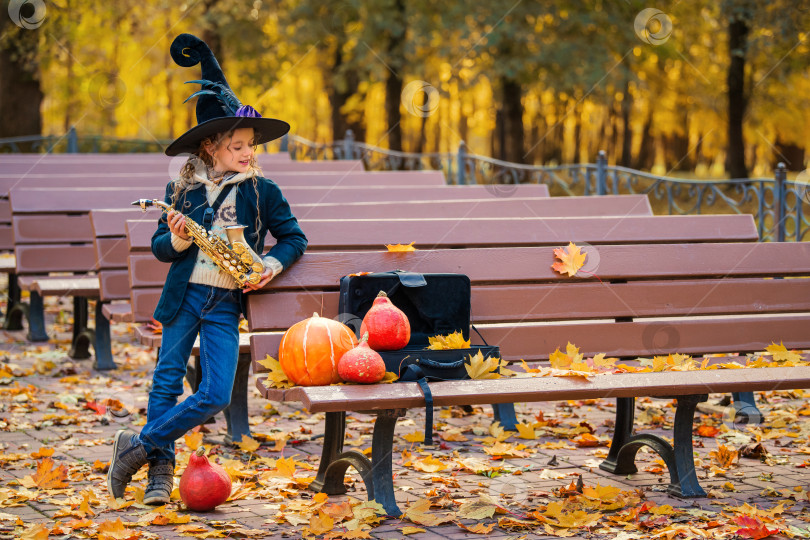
point(234, 153)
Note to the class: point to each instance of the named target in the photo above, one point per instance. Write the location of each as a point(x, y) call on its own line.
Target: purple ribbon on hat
point(246, 111)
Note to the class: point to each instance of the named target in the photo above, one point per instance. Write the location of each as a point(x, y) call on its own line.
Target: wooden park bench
point(147, 274)
point(650, 299)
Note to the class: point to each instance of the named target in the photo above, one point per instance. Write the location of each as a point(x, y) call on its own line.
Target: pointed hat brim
point(267, 129)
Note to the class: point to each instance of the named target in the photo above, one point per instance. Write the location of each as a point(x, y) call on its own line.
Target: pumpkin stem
point(200, 451)
point(315, 314)
point(382, 294)
point(364, 339)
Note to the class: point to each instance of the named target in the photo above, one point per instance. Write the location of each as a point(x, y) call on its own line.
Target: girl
point(218, 187)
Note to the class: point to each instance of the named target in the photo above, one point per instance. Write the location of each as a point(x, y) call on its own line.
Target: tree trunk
point(210, 33)
point(513, 120)
point(737, 100)
point(20, 91)
point(344, 84)
point(646, 151)
point(393, 84)
point(627, 132)
point(577, 133)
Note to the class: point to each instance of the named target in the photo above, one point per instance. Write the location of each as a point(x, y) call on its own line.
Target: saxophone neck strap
point(208, 216)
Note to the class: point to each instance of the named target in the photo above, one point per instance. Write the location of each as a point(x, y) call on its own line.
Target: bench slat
point(66, 286)
point(44, 258)
point(510, 390)
point(547, 302)
point(533, 264)
point(608, 205)
point(118, 312)
point(33, 229)
point(505, 232)
point(114, 284)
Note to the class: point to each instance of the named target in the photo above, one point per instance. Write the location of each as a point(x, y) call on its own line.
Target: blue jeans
point(214, 314)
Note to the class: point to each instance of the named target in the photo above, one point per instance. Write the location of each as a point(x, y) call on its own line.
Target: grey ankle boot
point(129, 455)
point(161, 482)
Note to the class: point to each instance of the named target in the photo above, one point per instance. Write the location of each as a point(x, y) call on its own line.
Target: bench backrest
point(649, 299)
point(109, 224)
point(147, 275)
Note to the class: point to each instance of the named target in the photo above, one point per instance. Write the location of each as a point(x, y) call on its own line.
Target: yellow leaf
point(395, 248)
point(781, 354)
point(478, 528)
point(321, 523)
point(526, 432)
point(450, 341)
point(417, 512)
point(453, 435)
point(37, 531)
point(248, 444)
point(116, 530)
point(286, 466)
point(193, 440)
point(479, 368)
point(429, 464)
point(570, 258)
point(275, 374)
point(411, 530)
point(389, 377)
point(415, 437)
point(477, 509)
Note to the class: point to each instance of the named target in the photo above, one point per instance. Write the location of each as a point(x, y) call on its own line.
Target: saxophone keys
point(246, 258)
point(254, 278)
point(257, 267)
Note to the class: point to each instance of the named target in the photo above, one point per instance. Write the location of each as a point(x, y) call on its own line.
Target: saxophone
point(235, 258)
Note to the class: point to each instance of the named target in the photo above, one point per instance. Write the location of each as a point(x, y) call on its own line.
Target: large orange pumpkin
point(310, 350)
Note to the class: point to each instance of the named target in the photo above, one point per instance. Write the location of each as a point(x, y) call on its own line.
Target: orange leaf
point(47, 477)
point(116, 530)
point(707, 431)
point(478, 528)
point(42, 453)
point(398, 248)
point(193, 440)
point(571, 259)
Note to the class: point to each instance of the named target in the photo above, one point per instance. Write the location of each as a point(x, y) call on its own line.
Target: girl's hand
point(267, 277)
point(177, 224)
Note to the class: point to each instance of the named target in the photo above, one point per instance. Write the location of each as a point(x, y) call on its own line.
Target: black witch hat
point(218, 109)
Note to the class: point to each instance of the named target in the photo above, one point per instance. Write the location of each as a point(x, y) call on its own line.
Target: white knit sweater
point(205, 271)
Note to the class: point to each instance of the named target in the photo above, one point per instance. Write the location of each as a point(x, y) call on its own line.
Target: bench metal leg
point(505, 414)
point(377, 474)
point(746, 406)
point(333, 435)
point(236, 414)
point(36, 318)
point(679, 458)
point(102, 346)
point(15, 309)
point(82, 335)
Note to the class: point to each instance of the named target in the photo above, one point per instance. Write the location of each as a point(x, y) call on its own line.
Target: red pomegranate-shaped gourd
point(310, 350)
point(387, 326)
point(362, 364)
point(204, 485)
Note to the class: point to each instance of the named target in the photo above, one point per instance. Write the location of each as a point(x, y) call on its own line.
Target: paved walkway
point(55, 444)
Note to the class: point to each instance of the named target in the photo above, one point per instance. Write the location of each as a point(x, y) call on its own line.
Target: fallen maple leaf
point(275, 374)
point(249, 444)
point(321, 523)
point(477, 509)
point(193, 440)
point(478, 528)
point(571, 260)
point(286, 467)
point(429, 464)
point(410, 529)
point(42, 453)
point(417, 512)
point(751, 527)
point(400, 248)
point(48, 477)
point(116, 530)
point(705, 430)
point(480, 368)
point(781, 354)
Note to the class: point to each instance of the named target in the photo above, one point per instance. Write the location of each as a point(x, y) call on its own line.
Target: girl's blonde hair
point(202, 158)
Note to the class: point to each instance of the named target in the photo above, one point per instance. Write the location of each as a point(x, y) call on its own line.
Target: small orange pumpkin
point(310, 350)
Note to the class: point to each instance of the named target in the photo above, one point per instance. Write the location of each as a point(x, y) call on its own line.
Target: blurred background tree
point(699, 88)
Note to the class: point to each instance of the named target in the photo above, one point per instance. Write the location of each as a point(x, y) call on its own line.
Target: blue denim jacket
point(275, 217)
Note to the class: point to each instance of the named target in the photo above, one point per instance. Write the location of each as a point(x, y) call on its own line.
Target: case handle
point(437, 365)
